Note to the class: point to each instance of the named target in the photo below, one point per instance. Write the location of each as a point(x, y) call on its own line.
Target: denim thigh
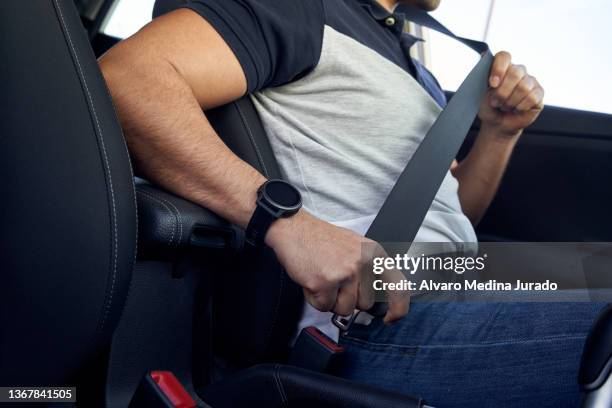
point(475, 354)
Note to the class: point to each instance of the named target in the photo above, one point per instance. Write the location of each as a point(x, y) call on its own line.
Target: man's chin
point(427, 5)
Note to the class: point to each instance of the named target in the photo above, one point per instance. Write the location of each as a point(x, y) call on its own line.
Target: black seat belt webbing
point(406, 206)
point(404, 209)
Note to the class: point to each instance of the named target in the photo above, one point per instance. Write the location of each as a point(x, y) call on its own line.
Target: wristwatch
point(275, 199)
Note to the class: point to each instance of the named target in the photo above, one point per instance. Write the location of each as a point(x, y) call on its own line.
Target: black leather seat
point(255, 305)
point(67, 213)
point(68, 247)
point(268, 302)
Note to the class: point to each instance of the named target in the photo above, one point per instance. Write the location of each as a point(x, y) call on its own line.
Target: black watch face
point(282, 195)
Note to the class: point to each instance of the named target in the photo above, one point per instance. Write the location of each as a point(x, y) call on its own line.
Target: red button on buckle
point(173, 389)
point(324, 340)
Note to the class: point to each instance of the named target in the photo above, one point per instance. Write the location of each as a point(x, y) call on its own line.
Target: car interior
point(119, 288)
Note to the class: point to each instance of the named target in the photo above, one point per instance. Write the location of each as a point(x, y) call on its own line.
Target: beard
point(427, 5)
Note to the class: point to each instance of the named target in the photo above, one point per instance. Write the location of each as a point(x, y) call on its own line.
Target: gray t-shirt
point(343, 104)
point(343, 135)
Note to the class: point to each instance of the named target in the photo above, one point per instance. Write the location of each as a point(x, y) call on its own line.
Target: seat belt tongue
point(344, 323)
point(314, 350)
point(406, 206)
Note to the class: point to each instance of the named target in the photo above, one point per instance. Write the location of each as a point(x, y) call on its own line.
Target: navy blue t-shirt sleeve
point(275, 41)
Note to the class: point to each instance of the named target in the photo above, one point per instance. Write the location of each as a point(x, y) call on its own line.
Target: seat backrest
point(267, 303)
point(67, 213)
point(254, 320)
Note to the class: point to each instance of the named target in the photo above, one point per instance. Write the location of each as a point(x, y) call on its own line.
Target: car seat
point(68, 214)
point(69, 231)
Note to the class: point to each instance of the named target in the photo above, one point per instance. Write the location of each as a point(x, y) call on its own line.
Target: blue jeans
point(475, 354)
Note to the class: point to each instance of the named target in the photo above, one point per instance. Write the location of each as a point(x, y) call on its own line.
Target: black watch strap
point(259, 224)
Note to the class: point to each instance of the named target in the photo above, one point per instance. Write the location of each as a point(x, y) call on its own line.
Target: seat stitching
point(175, 212)
point(171, 240)
point(178, 217)
point(279, 385)
point(252, 138)
point(105, 161)
point(136, 216)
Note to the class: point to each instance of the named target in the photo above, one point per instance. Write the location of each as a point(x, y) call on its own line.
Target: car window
point(127, 16)
point(564, 43)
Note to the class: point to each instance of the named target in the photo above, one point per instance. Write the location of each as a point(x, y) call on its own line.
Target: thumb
point(399, 300)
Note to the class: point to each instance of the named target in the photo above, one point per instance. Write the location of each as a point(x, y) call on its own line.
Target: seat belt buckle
point(314, 350)
point(161, 389)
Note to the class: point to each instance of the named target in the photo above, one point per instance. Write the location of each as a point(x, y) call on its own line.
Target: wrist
point(499, 135)
point(277, 200)
point(283, 229)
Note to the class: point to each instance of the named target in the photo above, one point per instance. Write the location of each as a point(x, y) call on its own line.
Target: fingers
point(500, 65)
point(399, 300)
point(323, 301)
point(501, 94)
point(522, 89)
point(534, 100)
point(513, 89)
point(344, 282)
point(347, 299)
point(399, 306)
point(357, 294)
point(365, 296)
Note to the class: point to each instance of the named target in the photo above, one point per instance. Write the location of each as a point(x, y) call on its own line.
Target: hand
point(329, 263)
point(514, 100)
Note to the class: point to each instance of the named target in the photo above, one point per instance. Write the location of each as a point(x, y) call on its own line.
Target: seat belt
point(404, 209)
point(406, 206)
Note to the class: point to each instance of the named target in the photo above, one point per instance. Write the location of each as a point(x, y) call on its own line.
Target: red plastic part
point(323, 339)
point(173, 389)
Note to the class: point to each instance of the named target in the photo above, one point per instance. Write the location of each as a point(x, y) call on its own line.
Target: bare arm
point(480, 173)
point(161, 79)
point(514, 101)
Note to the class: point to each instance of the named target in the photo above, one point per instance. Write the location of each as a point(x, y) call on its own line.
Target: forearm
point(480, 173)
point(161, 79)
point(172, 142)
point(512, 103)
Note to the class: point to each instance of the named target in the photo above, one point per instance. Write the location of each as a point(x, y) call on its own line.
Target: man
point(345, 107)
